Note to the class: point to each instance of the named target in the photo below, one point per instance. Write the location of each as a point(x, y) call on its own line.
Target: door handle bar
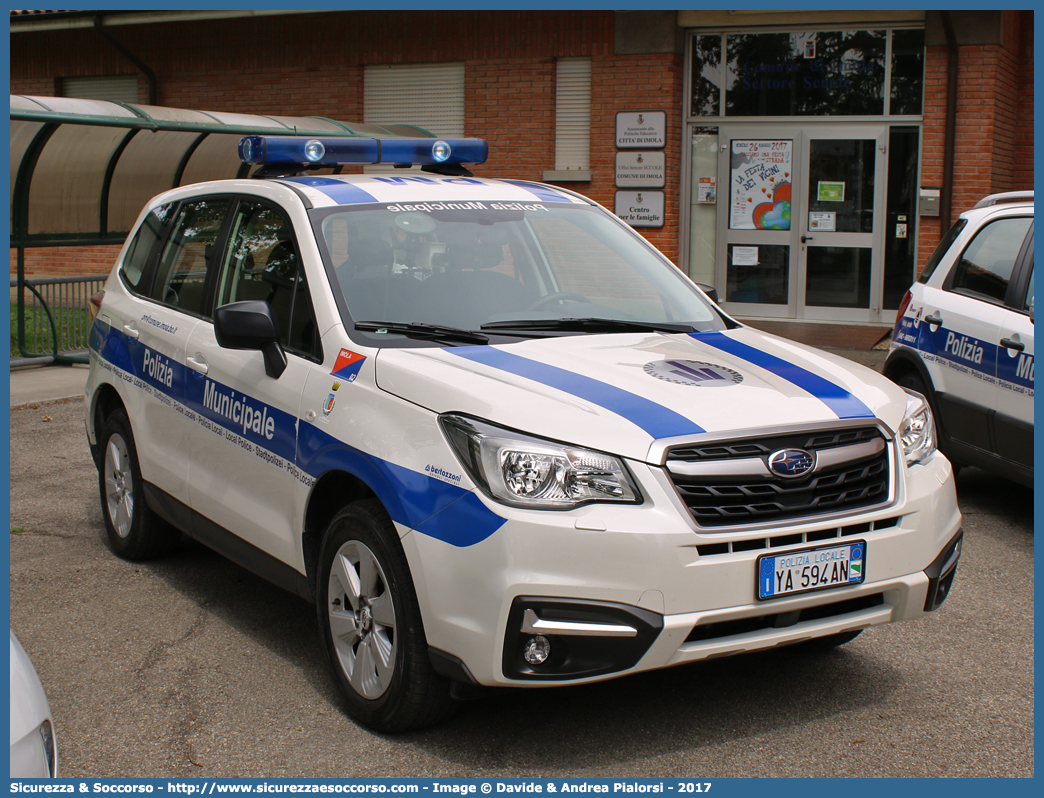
point(1008, 343)
point(197, 365)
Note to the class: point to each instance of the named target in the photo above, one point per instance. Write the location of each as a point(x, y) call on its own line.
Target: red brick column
point(638, 83)
point(993, 133)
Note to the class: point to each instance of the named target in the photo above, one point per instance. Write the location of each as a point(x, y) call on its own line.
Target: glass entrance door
point(841, 227)
point(758, 168)
point(801, 235)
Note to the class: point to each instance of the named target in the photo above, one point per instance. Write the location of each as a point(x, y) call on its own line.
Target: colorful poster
point(759, 187)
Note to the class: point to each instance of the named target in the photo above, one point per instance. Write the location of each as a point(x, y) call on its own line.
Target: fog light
point(538, 649)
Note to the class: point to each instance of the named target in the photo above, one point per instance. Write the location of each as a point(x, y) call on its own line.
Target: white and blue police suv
point(494, 435)
point(964, 337)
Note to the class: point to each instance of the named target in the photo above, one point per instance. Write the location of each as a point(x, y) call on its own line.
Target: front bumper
point(647, 566)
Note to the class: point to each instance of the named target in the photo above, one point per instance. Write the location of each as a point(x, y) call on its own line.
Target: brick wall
point(1024, 143)
point(66, 261)
point(637, 83)
point(994, 133)
point(312, 64)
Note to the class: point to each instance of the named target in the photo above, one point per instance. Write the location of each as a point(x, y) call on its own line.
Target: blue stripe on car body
point(338, 190)
point(1008, 368)
point(427, 505)
point(541, 192)
point(655, 419)
point(413, 499)
point(840, 401)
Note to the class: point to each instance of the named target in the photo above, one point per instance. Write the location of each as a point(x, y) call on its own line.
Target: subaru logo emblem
point(791, 462)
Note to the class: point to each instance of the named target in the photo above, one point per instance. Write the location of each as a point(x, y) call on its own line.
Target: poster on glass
point(760, 184)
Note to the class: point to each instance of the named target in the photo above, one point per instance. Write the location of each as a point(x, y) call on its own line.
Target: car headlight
point(523, 471)
point(917, 432)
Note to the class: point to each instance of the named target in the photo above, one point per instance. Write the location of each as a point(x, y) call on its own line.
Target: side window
point(182, 276)
point(985, 266)
point(143, 247)
point(263, 264)
point(1027, 303)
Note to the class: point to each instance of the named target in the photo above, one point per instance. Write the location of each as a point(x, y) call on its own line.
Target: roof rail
point(1008, 196)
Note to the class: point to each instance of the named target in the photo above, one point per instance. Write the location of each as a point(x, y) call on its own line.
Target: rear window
point(941, 250)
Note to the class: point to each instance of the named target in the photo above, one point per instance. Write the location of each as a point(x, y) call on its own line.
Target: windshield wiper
point(590, 324)
point(432, 332)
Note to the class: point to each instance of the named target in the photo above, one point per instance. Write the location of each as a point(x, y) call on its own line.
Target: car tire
point(132, 529)
point(371, 624)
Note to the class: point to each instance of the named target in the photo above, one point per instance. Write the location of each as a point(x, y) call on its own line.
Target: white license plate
point(806, 570)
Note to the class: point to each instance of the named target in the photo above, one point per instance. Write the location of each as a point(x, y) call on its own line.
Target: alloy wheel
point(362, 619)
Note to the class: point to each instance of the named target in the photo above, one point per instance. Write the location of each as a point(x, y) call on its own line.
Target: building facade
point(803, 163)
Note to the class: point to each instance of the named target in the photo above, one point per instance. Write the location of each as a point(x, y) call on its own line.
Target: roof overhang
point(81, 170)
point(73, 20)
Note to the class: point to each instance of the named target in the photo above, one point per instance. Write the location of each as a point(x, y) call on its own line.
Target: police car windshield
point(492, 263)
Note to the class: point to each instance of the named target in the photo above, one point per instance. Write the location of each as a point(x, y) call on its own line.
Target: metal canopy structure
point(81, 170)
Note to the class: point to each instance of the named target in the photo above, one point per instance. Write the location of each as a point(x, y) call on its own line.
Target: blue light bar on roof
point(335, 151)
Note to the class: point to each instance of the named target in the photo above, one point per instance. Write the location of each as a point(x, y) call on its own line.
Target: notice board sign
point(641, 169)
point(641, 130)
point(640, 208)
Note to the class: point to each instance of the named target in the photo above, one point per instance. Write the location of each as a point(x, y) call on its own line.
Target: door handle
point(132, 331)
point(807, 238)
point(935, 319)
point(1008, 343)
point(198, 363)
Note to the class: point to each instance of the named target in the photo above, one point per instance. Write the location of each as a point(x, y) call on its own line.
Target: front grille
point(783, 540)
point(729, 483)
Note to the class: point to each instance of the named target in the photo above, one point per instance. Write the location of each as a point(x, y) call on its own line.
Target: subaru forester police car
point(494, 435)
point(964, 337)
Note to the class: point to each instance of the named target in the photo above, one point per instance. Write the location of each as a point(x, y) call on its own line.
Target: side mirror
point(251, 325)
point(710, 291)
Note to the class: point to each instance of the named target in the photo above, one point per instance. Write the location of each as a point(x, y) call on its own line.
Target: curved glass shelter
point(81, 170)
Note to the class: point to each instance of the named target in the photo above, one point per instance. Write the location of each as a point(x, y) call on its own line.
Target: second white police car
point(495, 436)
point(964, 337)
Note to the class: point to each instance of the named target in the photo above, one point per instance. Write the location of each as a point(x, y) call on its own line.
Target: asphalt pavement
point(190, 666)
